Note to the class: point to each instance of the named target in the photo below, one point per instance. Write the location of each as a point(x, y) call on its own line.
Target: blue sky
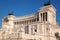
point(25, 7)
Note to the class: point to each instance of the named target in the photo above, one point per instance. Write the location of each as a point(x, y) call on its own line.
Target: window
point(45, 16)
point(33, 20)
point(41, 16)
point(40, 28)
point(35, 28)
point(32, 30)
point(27, 29)
point(37, 17)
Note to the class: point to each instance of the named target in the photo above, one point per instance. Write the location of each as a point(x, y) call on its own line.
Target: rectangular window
point(40, 28)
point(41, 16)
point(45, 16)
point(35, 28)
point(27, 29)
point(38, 17)
point(32, 30)
point(34, 20)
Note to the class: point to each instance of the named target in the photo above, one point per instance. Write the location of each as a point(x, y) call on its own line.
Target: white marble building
point(39, 26)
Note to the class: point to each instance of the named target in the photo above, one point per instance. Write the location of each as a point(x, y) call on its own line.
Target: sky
point(25, 7)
